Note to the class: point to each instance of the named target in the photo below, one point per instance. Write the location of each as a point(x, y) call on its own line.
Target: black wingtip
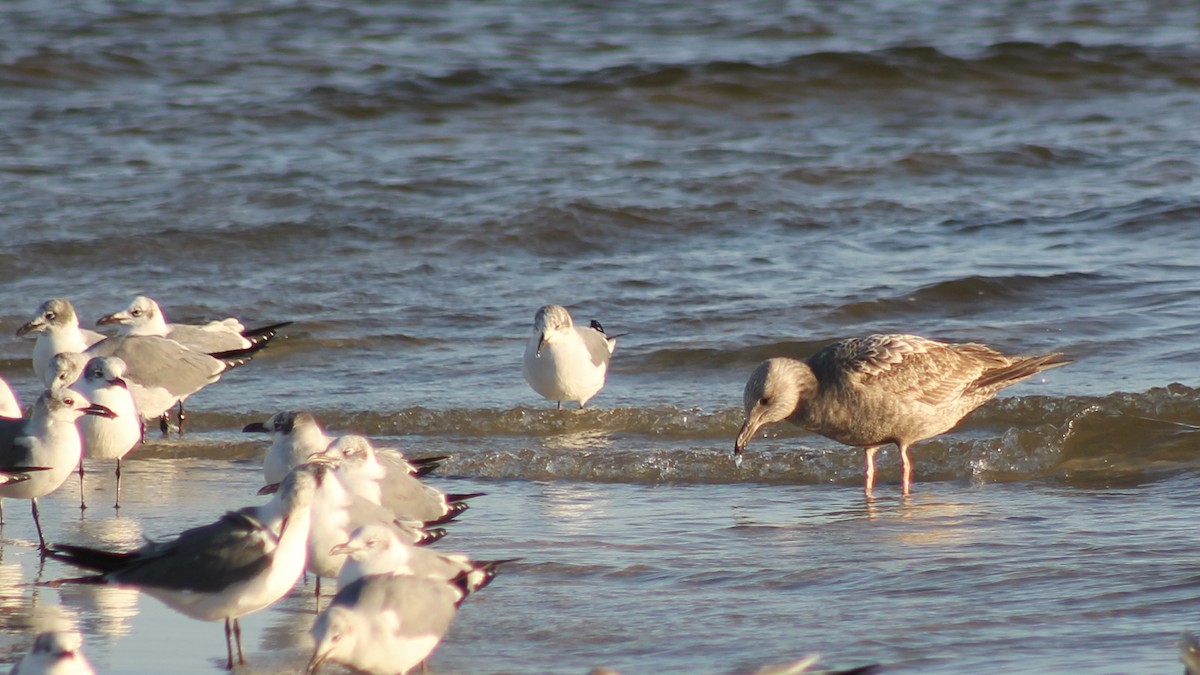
point(430, 535)
point(238, 357)
point(453, 497)
point(264, 334)
point(423, 466)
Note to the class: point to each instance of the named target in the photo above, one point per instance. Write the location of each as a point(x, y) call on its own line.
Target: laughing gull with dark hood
point(143, 316)
point(240, 564)
point(44, 449)
point(564, 362)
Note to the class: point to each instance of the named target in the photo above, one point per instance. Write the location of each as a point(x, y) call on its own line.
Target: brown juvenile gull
point(880, 389)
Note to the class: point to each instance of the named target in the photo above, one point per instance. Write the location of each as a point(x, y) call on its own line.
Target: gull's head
point(550, 321)
point(140, 313)
point(105, 371)
point(356, 454)
point(334, 634)
point(772, 393)
point(368, 541)
point(66, 368)
point(52, 315)
point(283, 423)
point(68, 405)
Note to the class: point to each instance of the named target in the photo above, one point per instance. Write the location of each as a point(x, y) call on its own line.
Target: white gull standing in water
point(563, 362)
point(160, 372)
point(881, 389)
point(105, 437)
point(47, 443)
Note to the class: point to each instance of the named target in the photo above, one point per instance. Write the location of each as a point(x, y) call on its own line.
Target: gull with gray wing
point(240, 564)
point(384, 623)
point(44, 449)
point(143, 316)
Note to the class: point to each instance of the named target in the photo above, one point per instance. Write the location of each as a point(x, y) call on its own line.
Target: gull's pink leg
point(907, 468)
point(870, 459)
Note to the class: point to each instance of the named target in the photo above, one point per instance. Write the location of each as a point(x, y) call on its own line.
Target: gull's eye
point(69, 401)
point(136, 312)
point(50, 316)
point(764, 401)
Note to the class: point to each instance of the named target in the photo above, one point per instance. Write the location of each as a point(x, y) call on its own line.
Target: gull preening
point(40, 452)
point(564, 362)
point(882, 389)
point(240, 564)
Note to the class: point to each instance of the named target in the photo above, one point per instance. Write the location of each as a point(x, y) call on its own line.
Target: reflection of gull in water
point(106, 610)
point(578, 440)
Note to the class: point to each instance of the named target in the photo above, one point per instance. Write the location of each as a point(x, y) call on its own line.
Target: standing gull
point(240, 564)
point(47, 442)
point(563, 362)
point(65, 370)
point(880, 389)
point(144, 317)
point(58, 331)
point(105, 437)
point(384, 623)
point(160, 372)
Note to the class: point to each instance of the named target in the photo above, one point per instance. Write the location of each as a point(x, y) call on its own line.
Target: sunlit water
point(410, 182)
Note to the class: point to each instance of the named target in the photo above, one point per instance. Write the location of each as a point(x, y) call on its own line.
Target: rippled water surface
point(409, 182)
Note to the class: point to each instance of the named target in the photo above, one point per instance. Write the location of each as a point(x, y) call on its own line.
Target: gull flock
point(339, 507)
point(360, 516)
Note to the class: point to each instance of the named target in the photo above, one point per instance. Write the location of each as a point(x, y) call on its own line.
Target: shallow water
point(410, 182)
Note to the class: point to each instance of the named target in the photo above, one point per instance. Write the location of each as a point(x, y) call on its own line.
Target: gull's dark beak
point(269, 489)
point(111, 319)
point(118, 382)
point(256, 428)
point(342, 549)
point(36, 324)
point(99, 410)
point(541, 343)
